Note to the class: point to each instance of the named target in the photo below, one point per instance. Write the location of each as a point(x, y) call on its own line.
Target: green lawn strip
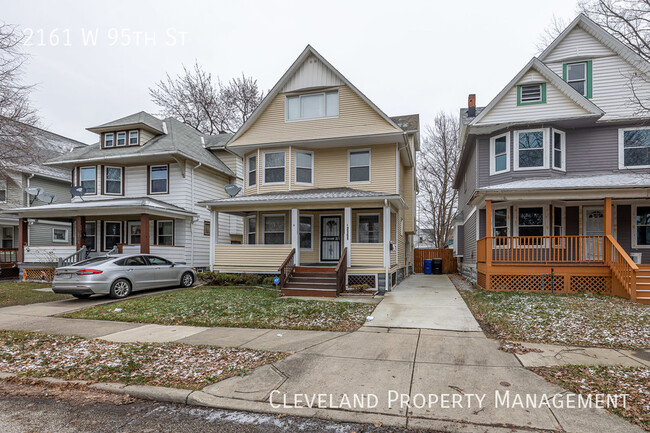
point(586, 380)
point(233, 307)
point(172, 365)
point(580, 319)
point(19, 293)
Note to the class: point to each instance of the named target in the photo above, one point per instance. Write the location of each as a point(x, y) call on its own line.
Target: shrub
point(222, 279)
point(269, 281)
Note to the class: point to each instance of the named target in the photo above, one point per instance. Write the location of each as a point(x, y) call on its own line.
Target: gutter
point(293, 201)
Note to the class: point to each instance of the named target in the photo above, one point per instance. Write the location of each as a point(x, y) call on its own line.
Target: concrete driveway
point(425, 302)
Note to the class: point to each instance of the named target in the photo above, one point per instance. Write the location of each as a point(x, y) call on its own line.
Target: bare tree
point(204, 103)
point(552, 31)
point(437, 164)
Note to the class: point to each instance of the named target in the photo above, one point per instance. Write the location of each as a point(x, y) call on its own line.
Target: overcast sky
point(406, 56)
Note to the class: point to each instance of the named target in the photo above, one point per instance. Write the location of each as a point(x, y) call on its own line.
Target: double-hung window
point(642, 222)
point(500, 153)
point(274, 229)
point(159, 178)
point(578, 76)
point(501, 222)
point(121, 138)
point(109, 139)
point(312, 106)
point(530, 149)
point(274, 167)
point(134, 138)
point(304, 167)
point(3, 190)
point(112, 234)
point(558, 221)
point(165, 233)
point(359, 166)
point(113, 180)
point(251, 170)
point(91, 235)
point(529, 94)
point(305, 230)
point(531, 221)
point(634, 148)
point(251, 230)
point(559, 149)
point(368, 229)
point(88, 179)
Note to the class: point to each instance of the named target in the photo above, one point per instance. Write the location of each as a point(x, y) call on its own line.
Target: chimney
point(471, 105)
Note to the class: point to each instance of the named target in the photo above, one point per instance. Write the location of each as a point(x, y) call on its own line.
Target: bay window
point(530, 149)
point(274, 229)
point(500, 153)
point(368, 229)
point(274, 167)
point(559, 149)
point(251, 171)
point(312, 106)
point(634, 148)
point(88, 179)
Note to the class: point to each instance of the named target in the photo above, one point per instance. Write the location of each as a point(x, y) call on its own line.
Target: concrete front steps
point(643, 284)
point(311, 281)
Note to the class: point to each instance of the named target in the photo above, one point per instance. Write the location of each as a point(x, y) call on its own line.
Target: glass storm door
point(330, 238)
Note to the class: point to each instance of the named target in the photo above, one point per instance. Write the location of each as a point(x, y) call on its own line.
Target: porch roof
point(315, 195)
point(115, 206)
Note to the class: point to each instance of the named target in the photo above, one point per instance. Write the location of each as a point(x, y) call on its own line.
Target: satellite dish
point(33, 191)
point(47, 197)
point(78, 191)
point(232, 190)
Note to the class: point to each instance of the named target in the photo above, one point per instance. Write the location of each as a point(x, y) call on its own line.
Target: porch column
point(488, 242)
point(387, 245)
point(144, 234)
point(79, 229)
point(608, 216)
point(295, 234)
point(22, 239)
point(214, 235)
point(347, 239)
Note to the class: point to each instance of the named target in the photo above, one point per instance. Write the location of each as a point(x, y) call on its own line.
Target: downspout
point(192, 210)
point(29, 240)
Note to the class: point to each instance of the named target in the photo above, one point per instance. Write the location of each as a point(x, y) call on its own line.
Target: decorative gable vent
point(531, 93)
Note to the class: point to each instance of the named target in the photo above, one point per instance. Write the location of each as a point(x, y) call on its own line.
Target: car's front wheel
point(120, 289)
point(187, 279)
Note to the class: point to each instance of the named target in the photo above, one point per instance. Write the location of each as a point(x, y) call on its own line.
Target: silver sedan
point(118, 276)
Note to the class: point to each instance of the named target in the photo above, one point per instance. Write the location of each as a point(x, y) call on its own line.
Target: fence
point(449, 264)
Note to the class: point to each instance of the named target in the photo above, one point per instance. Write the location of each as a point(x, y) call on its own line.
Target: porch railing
point(8, 255)
point(287, 267)
point(622, 267)
point(73, 258)
point(341, 271)
point(541, 249)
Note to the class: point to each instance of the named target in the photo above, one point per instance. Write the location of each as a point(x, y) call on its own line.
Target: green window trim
point(543, 101)
point(589, 94)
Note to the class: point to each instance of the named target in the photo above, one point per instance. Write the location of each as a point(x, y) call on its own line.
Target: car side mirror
point(173, 264)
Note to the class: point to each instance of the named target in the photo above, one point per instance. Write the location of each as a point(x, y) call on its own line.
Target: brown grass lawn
point(19, 293)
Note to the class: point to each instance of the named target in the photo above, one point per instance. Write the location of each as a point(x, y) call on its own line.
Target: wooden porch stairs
point(311, 281)
point(643, 284)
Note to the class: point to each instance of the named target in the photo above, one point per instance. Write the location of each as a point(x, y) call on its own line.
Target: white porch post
point(347, 234)
point(387, 245)
point(295, 235)
point(214, 235)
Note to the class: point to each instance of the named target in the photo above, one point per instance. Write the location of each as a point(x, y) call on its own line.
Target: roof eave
point(221, 204)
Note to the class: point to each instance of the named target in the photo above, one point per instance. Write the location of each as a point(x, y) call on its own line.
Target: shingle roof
point(113, 203)
point(409, 122)
point(307, 194)
point(616, 180)
point(465, 119)
point(141, 118)
point(217, 141)
point(180, 139)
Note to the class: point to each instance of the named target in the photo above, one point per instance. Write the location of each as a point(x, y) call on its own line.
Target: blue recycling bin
point(428, 267)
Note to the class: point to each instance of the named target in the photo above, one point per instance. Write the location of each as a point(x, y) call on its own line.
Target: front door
point(330, 238)
point(593, 223)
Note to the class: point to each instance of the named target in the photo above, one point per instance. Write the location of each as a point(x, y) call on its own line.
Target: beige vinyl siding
point(355, 222)
point(250, 257)
point(356, 117)
point(409, 197)
point(312, 256)
point(401, 242)
point(145, 136)
point(557, 105)
point(260, 225)
point(312, 74)
point(371, 255)
point(250, 190)
point(393, 237)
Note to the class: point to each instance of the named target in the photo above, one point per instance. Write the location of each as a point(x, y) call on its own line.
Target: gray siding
point(40, 234)
point(624, 231)
point(460, 246)
point(469, 247)
point(481, 223)
point(468, 185)
point(60, 188)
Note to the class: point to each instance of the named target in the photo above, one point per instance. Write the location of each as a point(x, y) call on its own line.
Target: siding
point(269, 257)
point(409, 197)
point(624, 232)
point(578, 41)
point(355, 118)
point(460, 241)
point(468, 184)
point(312, 73)
point(41, 233)
point(469, 250)
point(60, 188)
point(371, 255)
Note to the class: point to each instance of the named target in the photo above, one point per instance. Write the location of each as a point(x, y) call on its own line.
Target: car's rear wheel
point(81, 295)
point(187, 279)
point(120, 289)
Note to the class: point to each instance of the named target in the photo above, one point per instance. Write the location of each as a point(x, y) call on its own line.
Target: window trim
point(515, 224)
point(311, 232)
point(67, 235)
point(105, 172)
point(95, 235)
point(542, 94)
point(562, 149)
point(300, 95)
point(350, 152)
point(621, 148)
point(295, 174)
point(378, 215)
point(4, 187)
point(493, 140)
point(635, 240)
point(284, 181)
point(79, 178)
point(588, 76)
point(128, 231)
point(508, 219)
point(106, 134)
point(284, 227)
point(150, 180)
point(206, 228)
point(248, 171)
point(104, 233)
point(126, 139)
point(562, 220)
point(248, 232)
point(173, 235)
point(137, 137)
point(545, 149)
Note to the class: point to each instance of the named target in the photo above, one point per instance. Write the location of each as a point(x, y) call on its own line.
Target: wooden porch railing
point(541, 249)
point(341, 271)
point(623, 268)
point(73, 258)
point(287, 267)
point(8, 255)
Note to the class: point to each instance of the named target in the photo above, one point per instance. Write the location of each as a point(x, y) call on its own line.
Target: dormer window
point(134, 138)
point(528, 94)
point(121, 138)
point(109, 139)
point(312, 106)
point(578, 76)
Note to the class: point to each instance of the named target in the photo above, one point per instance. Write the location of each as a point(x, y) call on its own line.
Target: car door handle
point(129, 270)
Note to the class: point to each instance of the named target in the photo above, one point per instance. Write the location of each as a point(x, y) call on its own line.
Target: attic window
point(109, 139)
point(121, 138)
point(133, 138)
point(312, 106)
point(531, 94)
point(578, 76)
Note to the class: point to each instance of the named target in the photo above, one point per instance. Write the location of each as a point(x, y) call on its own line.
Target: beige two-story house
point(329, 186)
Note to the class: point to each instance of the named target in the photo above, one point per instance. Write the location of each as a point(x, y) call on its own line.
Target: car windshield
point(94, 261)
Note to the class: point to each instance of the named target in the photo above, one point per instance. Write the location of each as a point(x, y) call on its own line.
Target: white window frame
point(105, 232)
point(562, 149)
point(121, 180)
point(112, 135)
point(249, 171)
point(137, 137)
point(284, 227)
point(264, 182)
point(173, 235)
point(295, 174)
point(493, 155)
point(378, 215)
point(129, 224)
point(515, 221)
point(635, 244)
point(586, 79)
point(247, 231)
point(311, 232)
point(350, 152)
point(80, 180)
point(508, 219)
point(151, 179)
point(3, 187)
point(545, 149)
point(117, 140)
point(562, 220)
point(61, 241)
point(621, 148)
point(92, 236)
point(303, 119)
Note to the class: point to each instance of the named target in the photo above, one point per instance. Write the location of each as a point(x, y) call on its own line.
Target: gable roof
point(552, 78)
point(408, 122)
point(308, 51)
point(603, 36)
point(142, 118)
